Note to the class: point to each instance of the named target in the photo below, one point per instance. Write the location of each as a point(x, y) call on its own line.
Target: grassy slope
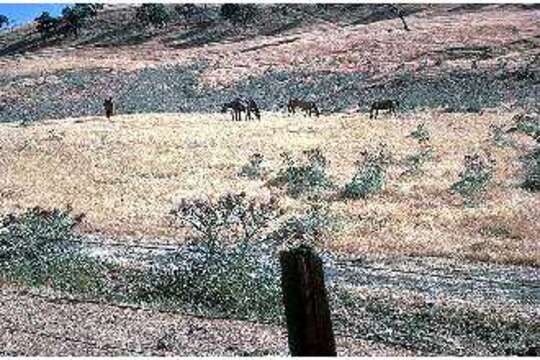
point(429, 66)
point(127, 174)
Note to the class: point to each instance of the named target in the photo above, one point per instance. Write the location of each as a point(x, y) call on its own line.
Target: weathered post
point(306, 303)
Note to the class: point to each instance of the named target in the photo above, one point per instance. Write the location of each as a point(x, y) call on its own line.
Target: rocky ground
point(44, 325)
point(386, 305)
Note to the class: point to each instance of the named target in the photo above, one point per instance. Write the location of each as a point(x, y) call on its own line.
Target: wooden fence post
point(306, 304)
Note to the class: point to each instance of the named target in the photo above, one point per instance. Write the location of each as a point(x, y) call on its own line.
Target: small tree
point(153, 14)
point(46, 23)
point(238, 13)
point(4, 21)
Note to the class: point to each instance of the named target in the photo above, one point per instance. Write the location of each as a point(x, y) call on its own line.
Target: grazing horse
point(109, 107)
point(309, 107)
point(237, 106)
point(252, 108)
point(389, 105)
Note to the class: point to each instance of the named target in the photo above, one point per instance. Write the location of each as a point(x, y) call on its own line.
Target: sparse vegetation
point(416, 162)
point(383, 256)
point(421, 133)
point(306, 175)
point(231, 219)
point(370, 174)
point(475, 178)
point(157, 15)
point(254, 168)
point(239, 13)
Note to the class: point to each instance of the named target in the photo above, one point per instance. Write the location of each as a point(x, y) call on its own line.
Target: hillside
point(343, 56)
point(159, 231)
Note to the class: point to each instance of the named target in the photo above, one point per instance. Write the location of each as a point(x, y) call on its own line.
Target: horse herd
point(249, 107)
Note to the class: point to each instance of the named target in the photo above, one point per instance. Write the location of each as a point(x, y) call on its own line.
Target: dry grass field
point(127, 174)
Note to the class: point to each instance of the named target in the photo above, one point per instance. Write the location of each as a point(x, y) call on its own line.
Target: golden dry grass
point(126, 175)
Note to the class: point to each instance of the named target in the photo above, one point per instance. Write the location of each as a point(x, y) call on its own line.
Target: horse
point(252, 108)
point(308, 107)
point(109, 107)
point(239, 105)
point(389, 105)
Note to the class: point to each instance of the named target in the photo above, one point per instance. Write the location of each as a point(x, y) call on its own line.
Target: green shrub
point(311, 228)
point(498, 136)
point(421, 134)
point(232, 219)
point(475, 178)
point(34, 250)
point(370, 174)
point(232, 281)
point(35, 235)
point(307, 175)
point(253, 169)
point(416, 161)
point(239, 13)
point(153, 14)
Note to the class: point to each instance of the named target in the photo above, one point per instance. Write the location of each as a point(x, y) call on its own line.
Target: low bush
point(370, 174)
point(416, 161)
point(527, 124)
point(421, 134)
point(231, 219)
point(254, 168)
point(498, 136)
point(35, 235)
point(232, 281)
point(35, 249)
point(475, 178)
point(311, 228)
point(306, 175)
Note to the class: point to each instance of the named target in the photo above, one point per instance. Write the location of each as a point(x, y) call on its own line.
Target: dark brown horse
point(109, 107)
point(252, 108)
point(239, 105)
point(309, 107)
point(387, 104)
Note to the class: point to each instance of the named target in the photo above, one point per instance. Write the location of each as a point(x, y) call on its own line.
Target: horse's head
point(224, 107)
point(257, 114)
point(396, 103)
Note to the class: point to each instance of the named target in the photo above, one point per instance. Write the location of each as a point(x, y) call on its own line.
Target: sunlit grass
point(126, 174)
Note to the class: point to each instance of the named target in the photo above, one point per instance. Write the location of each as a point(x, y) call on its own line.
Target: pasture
point(127, 174)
